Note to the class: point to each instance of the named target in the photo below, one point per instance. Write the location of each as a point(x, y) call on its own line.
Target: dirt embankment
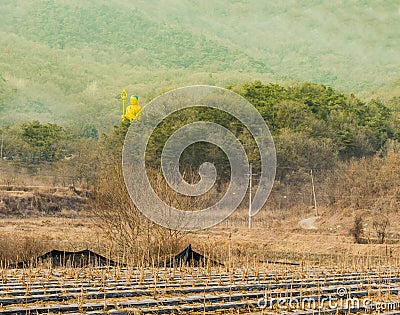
point(39, 200)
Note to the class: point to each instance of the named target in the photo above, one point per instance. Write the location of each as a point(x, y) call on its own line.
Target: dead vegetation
point(368, 188)
point(36, 200)
point(14, 249)
point(192, 290)
point(125, 226)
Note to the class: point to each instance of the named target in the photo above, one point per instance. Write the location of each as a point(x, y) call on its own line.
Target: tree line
point(351, 145)
point(313, 126)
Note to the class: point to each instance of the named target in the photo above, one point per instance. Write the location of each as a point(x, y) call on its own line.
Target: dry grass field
point(289, 261)
point(278, 241)
point(259, 275)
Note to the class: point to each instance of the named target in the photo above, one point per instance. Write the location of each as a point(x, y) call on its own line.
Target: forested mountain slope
point(66, 61)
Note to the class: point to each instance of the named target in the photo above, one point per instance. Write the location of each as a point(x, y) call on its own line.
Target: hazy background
point(66, 61)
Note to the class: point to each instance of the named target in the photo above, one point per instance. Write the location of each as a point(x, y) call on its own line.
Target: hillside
point(66, 61)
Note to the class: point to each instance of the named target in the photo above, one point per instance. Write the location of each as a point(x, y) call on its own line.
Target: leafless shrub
point(14, 249)
point(383, 208)
point(380, 224)
point(364, 181)
point(125, 226)
point(358, 230)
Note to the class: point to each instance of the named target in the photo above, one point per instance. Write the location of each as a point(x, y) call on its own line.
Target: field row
point(191, 290)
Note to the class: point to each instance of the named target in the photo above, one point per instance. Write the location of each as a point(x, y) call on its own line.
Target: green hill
point(66, 61)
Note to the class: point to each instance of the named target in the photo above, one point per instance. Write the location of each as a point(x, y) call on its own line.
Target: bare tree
point(358, 230)
point(380, 224)
point(125, 226)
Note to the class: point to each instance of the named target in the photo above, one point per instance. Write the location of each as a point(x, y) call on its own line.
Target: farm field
point(250, 289)
point(261, 274)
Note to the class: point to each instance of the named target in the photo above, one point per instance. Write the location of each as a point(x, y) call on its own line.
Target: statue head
point(134, 100)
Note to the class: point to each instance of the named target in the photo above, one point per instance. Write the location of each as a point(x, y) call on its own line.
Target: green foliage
point(35, 142)
point(298, 151)
point(156, 43)
point(65, 60)
point(43, 140)
point(314, 127)
point(111, 144)
point(3, 94)
point(353, 127)
point(90, 131)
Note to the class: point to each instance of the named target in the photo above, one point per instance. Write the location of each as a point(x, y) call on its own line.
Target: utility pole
point(250, 188)
point(313, 191)
point(1, 147)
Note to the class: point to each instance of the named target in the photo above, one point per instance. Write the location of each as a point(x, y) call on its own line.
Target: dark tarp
point(57, 258)
point(190, 258)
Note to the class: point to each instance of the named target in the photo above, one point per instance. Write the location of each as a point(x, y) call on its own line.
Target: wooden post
point(250, 187)
point(1, 147)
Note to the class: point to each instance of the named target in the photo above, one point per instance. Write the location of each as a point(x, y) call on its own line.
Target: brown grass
point(14, 250)
point(235, 246)
point(368, 187)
